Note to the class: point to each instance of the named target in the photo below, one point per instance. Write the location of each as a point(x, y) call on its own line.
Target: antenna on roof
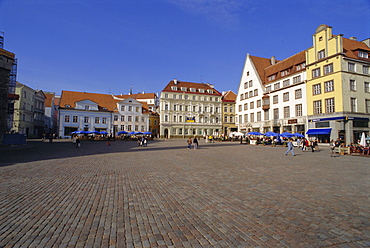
point(130, 89)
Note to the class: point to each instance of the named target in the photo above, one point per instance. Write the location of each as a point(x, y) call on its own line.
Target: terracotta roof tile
point(103, 100)
point(189, 85)
point(49, 99)
point(260, 64)
point(229, 96)
point(350, 48)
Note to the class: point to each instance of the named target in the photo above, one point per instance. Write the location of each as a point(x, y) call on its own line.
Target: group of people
point(193, 141)
point(142, 141)
point(305, 143)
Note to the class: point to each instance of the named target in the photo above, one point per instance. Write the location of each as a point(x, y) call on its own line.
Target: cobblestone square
point(222, 195)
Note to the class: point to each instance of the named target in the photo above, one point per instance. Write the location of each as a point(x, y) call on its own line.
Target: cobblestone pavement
point(164, 195)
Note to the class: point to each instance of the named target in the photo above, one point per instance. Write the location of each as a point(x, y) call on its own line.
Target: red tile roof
point(350, 48)
point(189, 85)
point(229, 96)
point(49, 99)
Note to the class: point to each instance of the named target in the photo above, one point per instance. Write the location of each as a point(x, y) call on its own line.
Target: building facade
point(338, 86)
point(29, 111)
point(188, 109)
point(271, 95)
point(228, 113)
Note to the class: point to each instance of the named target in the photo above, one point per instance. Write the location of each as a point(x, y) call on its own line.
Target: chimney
point(175, 81)
point(352, 38)
point(210, 85)
point(273, 60)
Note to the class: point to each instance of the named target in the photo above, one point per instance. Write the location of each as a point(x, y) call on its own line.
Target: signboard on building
point(190, 119)
point(292, 121)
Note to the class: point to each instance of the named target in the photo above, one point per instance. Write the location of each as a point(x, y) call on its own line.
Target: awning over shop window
point(318, 131)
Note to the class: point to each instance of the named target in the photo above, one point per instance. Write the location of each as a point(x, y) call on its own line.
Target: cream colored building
point(228, 113)
point(188, 109)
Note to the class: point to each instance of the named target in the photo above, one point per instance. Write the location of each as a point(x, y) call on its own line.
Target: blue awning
point(318, 131)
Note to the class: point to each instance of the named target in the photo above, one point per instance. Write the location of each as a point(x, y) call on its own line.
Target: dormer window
point(173, 87)
point(183, 88)
point(68, 106)
point(210, 91)
point(87, 107)
point(105, 108)
point(193, 89)
point(363, 54)
point(271, 78)
point(201, 90)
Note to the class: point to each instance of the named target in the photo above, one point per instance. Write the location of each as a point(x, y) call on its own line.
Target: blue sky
point(105, 46)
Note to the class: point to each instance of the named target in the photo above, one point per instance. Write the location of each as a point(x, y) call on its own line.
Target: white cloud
point(225, 12)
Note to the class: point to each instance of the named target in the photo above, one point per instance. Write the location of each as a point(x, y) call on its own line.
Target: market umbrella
point(255, 133)
point(287, 134)
point(103, 132)
point(363, 140)
point(122, 132)
point(298, 135)
point(270, 134)
point(147, 132)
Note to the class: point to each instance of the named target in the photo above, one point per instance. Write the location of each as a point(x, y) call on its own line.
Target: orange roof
point(49, 99)
point(71, 97)
point(189, 85)
point(289, 63)
point(138, 96)
point(229, 96)
point(351, 46)
point(7, 53)
point(260, 64)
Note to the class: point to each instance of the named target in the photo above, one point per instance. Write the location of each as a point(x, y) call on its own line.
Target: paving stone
point(164, 195)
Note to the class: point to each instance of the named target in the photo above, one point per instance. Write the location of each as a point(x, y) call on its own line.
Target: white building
point(188, 109)
point(271, 95)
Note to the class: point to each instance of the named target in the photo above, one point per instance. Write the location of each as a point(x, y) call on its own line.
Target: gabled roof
point(71, 97)
point(189, 85)
point(260, 64)
point(289, 63)
point(350, 46)
point(229, 96)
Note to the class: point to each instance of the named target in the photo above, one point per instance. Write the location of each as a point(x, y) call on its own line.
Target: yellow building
point(338, 86)
point(228, 113)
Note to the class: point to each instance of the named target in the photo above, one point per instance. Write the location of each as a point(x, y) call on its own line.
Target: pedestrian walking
point(145, 142)
point(78, 142)
point(189, 143)
point(195, 141)
point(290, 148)
point(332, 147)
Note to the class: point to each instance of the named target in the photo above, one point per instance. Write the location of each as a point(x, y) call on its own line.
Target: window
point(367, 106)
point(255, 93)
point(317, 108)
point(183, 89)
point(75, 119)
point(328, 68)
point(129, 118)
point(250, 83)
point(241, 97)
point(316, 89)
point(252, 117)
point(276, 113)
point(363, 54)
point(286, 83)
point(259, 103)
point(329, 86)
point(352, 85)
point(316, 73)
point(122, 118)
point(240, 108)
point(275, 99)
point(136, 128)
point(297, 79)
point(231, 119)
point(122, 108)
point(174, 96)
point(245, 106)
point(271, 78)
point(225, 118)
point(365, 69)
point(66, 118)
point(246, 95)
point(166, 106)
point(166, 118)
point(286, 97)
point(367, 87)
point(166, 95)
point(245, 118)
point(245, 85)
point(86, 119)
point(193, 89)
point(122, 127)
point(250, 94)
point(276, 86)
point(97, 120)
point(173, 87)
point(286, 112)
point(284, 73)
point(87, 107)
point(321, 54)
point(351, 66)
point(298, 94)
point(252, 105)
point(268, 88)
point(266, 115)
point(259, 116)
point(353, 104)
point(201, 90)
point(104, 120)
point(137, 109)
point(128, 127)
point(329, 103)
point(130, 108)
point(298, 110)
point(115, 118)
